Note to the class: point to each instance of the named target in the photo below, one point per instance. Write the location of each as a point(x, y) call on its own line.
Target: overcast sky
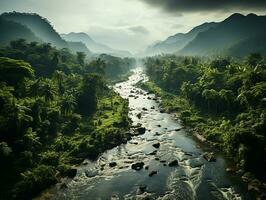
point(131, 24)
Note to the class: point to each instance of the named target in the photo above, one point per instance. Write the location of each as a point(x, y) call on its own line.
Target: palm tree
point(59, 76)
point(227, 96)
point(68, 104)
point(20, 115)
point(211, 96)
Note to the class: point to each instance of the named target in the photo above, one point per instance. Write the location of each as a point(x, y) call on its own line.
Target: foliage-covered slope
point(55, 111)
point(43, 29)
point(39, 25)
point(10, 30)
point(223, 100)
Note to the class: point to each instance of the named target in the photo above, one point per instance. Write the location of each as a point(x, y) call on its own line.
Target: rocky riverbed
point(161, 161)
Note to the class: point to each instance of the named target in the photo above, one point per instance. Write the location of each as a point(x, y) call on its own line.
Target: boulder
point(112, 164)
point(153, 153)
point(209, 157)
point(142, 188)
point(145, 109)
point(152, 173)
point(156, 145)
point(173, 163)
point(141, 130)
point(71, 173)
point(139, 115)
point(137, 166)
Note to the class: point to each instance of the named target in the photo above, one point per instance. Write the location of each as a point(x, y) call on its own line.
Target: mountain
point(43, 29)
point(256, 44)
point(40, 26)
point(178, 41)
point(10, 30)
point(79, 47)
point(229, 36)
point(93, 45)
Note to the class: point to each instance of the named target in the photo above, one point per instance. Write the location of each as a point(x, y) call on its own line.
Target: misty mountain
point(41, 28)
point(178, 41)
point(238, 34)
point(10, 30)
point(256, 44)
point(79, 47)
point(93, 45)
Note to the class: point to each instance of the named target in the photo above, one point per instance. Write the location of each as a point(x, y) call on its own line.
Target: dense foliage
point(222, 99)
point(55, 110)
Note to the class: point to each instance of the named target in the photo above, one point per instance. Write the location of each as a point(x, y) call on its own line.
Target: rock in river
point(156, 145)
point(142, 188)
point(137, 166)
point(139, 115)
point(209, 157)
point(173, 163)
point(152, 173)
point(112, 164)
point(141, 130)
point(72, 172)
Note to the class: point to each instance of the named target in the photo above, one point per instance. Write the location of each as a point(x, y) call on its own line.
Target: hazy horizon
point(129, 25)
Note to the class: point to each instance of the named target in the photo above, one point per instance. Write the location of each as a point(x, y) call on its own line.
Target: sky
point(132, 24)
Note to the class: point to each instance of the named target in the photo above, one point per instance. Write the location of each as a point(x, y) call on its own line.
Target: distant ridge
point(237, 35)
point(42, 29)
point(93, 45)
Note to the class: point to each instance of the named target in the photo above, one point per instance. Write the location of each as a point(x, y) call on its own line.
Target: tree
point(254, 59)
point(227, 96)
point(81, 58)
point(68, 103)
point(211, 96)
point(14, 71)
point(18, 44)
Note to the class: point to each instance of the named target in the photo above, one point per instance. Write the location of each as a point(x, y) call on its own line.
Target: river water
point(192, 178)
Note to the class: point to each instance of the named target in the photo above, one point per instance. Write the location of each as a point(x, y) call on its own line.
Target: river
point(192, 178)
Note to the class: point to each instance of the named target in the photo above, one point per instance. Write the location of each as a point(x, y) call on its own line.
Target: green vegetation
point(55, 111)
point(222, 99)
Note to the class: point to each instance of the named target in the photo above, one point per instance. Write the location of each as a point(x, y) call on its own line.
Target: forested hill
point(10, 30)
point(234, 36)
point(37, 25)
point(55, 110)
point(40, 26)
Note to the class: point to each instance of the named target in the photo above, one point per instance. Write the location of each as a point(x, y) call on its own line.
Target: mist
point(126, 25)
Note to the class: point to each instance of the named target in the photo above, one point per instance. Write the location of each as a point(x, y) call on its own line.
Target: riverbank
point(106, 128)
point(206, 129)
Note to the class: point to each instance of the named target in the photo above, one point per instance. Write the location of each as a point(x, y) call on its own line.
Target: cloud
point(139, 30)
point(177, 26)
point(206, 5)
